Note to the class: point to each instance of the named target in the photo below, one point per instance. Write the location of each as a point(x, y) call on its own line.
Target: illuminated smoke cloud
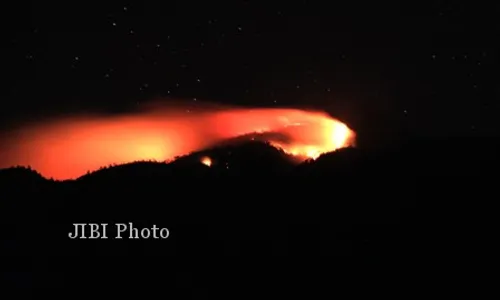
point(69, 147)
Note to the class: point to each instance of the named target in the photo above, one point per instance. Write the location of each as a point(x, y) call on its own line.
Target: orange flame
point(70, 147)
point(207, 161)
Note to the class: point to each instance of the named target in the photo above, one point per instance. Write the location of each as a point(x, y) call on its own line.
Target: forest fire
point(68, 148)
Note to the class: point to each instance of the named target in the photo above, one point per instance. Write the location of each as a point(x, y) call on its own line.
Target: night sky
point(385, 69)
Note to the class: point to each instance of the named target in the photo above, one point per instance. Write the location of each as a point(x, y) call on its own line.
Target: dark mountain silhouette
point(20, 174)
point(408, 203)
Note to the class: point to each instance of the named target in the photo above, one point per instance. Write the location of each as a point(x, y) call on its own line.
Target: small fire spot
point(207, 161)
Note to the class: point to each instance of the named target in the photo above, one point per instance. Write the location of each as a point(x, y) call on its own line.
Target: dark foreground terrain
point(253, 219)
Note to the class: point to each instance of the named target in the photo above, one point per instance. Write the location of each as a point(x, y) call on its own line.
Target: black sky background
point(385, 68)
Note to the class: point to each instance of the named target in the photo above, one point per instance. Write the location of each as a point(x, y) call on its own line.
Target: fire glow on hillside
point(67, 148)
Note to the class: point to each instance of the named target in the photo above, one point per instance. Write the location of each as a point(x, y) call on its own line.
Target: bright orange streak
point(68, 148)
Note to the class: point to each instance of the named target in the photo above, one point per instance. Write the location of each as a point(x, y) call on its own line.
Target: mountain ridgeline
point(254, 200)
